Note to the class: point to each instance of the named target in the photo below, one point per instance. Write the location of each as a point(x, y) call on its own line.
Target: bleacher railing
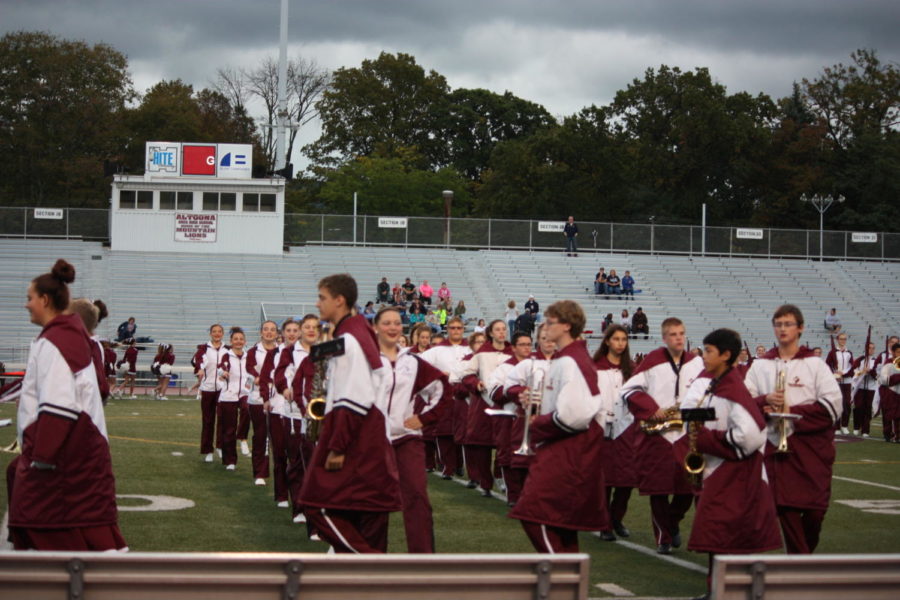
point(510, 234)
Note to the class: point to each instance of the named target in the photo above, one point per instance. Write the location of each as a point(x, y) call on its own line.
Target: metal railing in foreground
point(170, 576)
point(796, 577)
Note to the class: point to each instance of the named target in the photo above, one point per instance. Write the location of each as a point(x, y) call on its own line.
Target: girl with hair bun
point(90, 316)
point(62, 491)
point(162, 367)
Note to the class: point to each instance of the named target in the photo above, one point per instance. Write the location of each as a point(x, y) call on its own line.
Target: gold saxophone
point(782, 422)
point(315, 408)
point(670, 422)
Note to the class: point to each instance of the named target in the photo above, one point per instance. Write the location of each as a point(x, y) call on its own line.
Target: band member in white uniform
point(205, 362)
point(256, 358)
point(237, 384)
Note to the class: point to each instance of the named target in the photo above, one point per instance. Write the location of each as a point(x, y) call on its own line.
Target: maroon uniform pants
point(801, 528)
point(448, 454)
point(617, 501)
point(845, 397)
point(551, 540)
point(228, 417)
point(278, 452)
point(667, 514)
point(208, 403)
point(243, 425)
point(260, 433)
point(299, 451)
point(478, 461)
point(515, 482)
point(431, 454)
point(862, 410)
point(350, 531)
point(417, 519)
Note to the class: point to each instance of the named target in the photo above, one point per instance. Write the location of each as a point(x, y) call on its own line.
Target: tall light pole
point(821, 204)
point(281, 113)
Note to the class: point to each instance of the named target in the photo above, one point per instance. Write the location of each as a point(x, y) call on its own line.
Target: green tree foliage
point(383, 107)
point(392, 186)
point(61, 104)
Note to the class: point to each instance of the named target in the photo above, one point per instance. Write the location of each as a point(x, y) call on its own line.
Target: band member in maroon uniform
point(622, 435)
point(205, 362)
point(735, 512)
point(256, 357)
point(559, 498)
point(62, 491)
point(659, 384)
point(800, 478)
point(238, 382)
point(352, 483)
point(840, 361)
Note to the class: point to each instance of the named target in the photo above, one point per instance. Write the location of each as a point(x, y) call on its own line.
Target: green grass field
point(155, 452)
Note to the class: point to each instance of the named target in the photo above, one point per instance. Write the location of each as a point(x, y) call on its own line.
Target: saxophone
point(670, 422)
point(315, 408)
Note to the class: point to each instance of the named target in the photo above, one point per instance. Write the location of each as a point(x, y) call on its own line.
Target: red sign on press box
point(198, 160)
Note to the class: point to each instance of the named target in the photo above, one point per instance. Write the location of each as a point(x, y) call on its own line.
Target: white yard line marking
point(4, 533)
point(872, 483)
point(615, 590)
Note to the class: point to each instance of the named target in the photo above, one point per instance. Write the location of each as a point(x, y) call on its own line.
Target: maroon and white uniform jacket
point(206, 364)
point(496, 386)
point(660, 383)
point(622, 433)
point(868, 373)
point(735, 512)
point(841, 363)
point(98, 358)
point(802, 477)
point(256, 357)
point(61, 423)
point(130, 357)
point(283, 377)
point(109, 361)
point(448, 358)
point(302, 389)
point(237, 381)
point(267, 381)
point(526, 373)
point(889, 376)
point(400, 384)
point(356, 427)
point(478, 368)
point(565, 486)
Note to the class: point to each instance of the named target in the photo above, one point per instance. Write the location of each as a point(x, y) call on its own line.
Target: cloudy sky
point(564, 55)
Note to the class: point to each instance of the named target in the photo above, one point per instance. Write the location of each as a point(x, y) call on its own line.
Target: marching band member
point(561, 495)
point(61, 488)
point(840, 361)
point(659, 384)
point(887, 400)
point(352, 483)
point(129, 357)
point(237, 384)
point(735, 511)
point(523, 375)
point(800, 479)
point(863, 390)
point(276, 407)
point(502, 424)
point(164, 356)
point(256, 357)
point(479, 427)
point(421, 342)
point(613, 362)
point(413, 393)
point(91, 314)
point(205, 362)
point(299, 449)
point(889, 379)
point(461, 406)
point(447, 357)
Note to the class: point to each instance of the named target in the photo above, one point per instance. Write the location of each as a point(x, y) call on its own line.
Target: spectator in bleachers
point(460, 310)
point(409, 290)
point(607, 321)
point(532, 306)
point(510, 316)
point(426, 292)
point(126, 330)
point(444, 293)
point(613, 283)
point(480, 327)
point(369, 311)
point(639, 323)
point(628, 285)
point(625, 320)
point(442, 315)
point(571, 232)
point(431, 319)
point(832, 321)
point(397, 294)
point(600, 281)
point(416, 315)
point(384, 291)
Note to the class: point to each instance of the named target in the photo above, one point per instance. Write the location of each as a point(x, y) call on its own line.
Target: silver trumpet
point(532, 408)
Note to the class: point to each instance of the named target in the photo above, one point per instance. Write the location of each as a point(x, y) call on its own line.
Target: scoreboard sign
point(187, 159)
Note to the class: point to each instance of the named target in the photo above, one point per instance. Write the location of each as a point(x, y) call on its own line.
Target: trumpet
point(670, 422)
point(315, 408)
point(533, 407)
point(782, 422)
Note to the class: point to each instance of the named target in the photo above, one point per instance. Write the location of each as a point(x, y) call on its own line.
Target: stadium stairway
point(175, 297)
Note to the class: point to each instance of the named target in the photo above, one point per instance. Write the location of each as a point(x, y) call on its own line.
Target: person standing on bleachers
point(570, 231)
point(205, 362)
point(533, 307)
point(383, 291)
point(800, 479)
point(658, 384)
point(840, 361)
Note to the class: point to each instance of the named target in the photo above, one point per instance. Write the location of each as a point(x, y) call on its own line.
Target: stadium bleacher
point(175, 297)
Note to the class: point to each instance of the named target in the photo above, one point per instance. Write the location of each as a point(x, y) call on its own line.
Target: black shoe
point(608, 536)
point(621, 530)
point(664, 549)
point(471, 485)
point(676, 539)
point(446, 477)
point(486, 494)
point(459, 472)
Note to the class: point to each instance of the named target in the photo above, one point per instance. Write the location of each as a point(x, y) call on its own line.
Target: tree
point(61, 108)
point(306, 82)
point(386, 106)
